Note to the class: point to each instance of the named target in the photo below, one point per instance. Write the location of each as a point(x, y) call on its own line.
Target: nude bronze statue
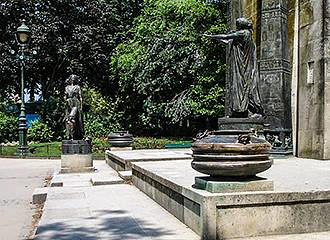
point(74, 114)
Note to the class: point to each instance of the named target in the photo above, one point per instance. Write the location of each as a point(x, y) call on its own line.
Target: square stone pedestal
point(76, 163)
point(76, 156)
point(227, 185)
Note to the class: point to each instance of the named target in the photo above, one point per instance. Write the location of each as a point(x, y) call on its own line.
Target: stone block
point(218, 185)
point(279, 213)
point(244, 124)
point(39, 195)
point(126, 175)
point(73, 183)
point(56, 184)
point(106, 180)
point(75, 163)
point(121, 148)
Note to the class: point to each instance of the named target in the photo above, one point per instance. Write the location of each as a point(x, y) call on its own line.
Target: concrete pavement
point(18, 179)
point(79, 210)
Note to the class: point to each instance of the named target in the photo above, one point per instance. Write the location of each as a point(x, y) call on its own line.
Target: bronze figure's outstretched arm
point(230, 36)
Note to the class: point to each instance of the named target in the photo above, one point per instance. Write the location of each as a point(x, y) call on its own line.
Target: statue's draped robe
point(244, 93)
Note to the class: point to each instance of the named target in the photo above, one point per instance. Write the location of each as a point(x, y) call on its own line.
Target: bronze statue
point(244, 93)
point(74, 114)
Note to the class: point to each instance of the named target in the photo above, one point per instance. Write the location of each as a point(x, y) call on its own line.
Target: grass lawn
point(52, 149)
point(37, 150)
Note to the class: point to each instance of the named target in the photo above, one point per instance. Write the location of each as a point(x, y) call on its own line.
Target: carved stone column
point(275, 76)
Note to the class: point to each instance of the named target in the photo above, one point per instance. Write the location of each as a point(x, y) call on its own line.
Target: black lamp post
point(23, 36)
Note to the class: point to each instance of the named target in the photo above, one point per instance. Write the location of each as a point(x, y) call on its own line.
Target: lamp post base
point(23, 151)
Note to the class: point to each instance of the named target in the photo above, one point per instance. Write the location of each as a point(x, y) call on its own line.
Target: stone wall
point(313, 89)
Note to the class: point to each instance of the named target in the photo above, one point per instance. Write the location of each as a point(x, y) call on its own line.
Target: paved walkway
point(116, 212)
point(120, 211)
point(18, 179)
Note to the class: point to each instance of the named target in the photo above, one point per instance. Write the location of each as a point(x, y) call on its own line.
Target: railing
point(47, 150)
point(43, 151)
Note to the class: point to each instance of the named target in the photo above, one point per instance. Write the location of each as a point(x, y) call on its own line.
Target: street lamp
point(23, 36)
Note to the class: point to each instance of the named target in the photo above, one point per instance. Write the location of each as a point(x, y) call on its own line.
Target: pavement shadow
point(105, 224)
point(120, 224)
point(64, 231)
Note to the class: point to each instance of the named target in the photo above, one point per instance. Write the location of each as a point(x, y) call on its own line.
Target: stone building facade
point(307, 52)
point(312, 83)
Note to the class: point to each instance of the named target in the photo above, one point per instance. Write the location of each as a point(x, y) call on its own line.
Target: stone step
point(126, 175)
point(39, 195)
point(106, 180)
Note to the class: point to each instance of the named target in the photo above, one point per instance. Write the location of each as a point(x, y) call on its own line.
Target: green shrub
point(52, 114)
point(100, 145)
point(157, 143)
point(8, 128)
point(40, 132)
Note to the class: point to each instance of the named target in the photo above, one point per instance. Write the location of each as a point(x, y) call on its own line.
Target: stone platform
point(122, 160)
point(300, 202)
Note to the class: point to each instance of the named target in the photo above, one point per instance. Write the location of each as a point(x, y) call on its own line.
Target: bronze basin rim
point(229, 152)
point(251, 150)
point(234, 148)
point(231, 157)
point(231, 145)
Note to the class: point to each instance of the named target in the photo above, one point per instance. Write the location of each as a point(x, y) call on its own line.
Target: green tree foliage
point(71, 36)
point(101, 115)
point(168, 70)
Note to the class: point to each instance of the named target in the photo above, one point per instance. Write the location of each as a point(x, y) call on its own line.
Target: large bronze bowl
point(120, 139)
point(225, 155)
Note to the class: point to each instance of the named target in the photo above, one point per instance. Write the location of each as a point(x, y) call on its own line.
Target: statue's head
point(243, 23)
point(73, 79)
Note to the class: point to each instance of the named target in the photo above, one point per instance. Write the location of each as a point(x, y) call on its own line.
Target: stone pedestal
point(279, 138)
point(121, 148)
point(245, 124)
point(76, 156)
point(229, 185)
